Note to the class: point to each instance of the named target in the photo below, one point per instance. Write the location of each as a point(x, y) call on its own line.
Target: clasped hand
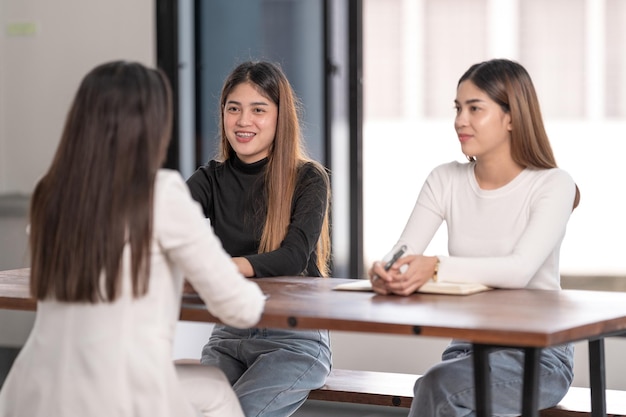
point(404, 277)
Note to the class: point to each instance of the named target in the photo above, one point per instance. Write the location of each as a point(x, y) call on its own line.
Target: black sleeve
point(200, 188)
point(307, 215)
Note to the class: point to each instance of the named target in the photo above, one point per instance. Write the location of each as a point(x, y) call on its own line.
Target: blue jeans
point(271, 371)
point(447, 389)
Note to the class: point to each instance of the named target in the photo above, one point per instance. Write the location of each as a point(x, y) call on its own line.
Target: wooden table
point(526, 319)
point(15, 291)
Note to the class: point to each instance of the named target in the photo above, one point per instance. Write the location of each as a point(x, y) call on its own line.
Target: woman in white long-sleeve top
point(506, 211)
point(112, 238)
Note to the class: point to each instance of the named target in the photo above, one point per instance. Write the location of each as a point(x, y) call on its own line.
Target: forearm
point(290, 260)
point(244, 266)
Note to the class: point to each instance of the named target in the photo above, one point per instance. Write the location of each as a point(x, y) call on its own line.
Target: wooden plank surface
point(396, 390)
point(500, 317)
point(578, 402)
point(15, 291)
point(367, 387)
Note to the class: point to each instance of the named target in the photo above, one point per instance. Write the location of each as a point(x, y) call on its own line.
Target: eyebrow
point(470, 101)
point(254, 103)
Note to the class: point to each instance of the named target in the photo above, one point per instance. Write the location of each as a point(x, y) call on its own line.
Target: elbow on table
point(286, 264)
point(245, 317)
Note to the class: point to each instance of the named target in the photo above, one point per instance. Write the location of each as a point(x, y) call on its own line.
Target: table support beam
point(481, 380)
point(482, 377)
point(530, 396)
point(597, 378)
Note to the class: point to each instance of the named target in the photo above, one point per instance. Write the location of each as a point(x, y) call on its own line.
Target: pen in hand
point(397, 255)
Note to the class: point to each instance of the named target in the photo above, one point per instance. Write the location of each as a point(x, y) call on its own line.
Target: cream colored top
point(115, 359)
point(509, 237)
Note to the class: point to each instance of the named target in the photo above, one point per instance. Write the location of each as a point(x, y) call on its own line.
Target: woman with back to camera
point(506, 211)
point(268, 203)
point(111, 238)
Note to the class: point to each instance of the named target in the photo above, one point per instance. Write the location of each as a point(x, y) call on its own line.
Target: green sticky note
point(21, 29)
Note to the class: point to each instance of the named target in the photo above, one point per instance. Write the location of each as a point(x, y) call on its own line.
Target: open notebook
point(430, 287)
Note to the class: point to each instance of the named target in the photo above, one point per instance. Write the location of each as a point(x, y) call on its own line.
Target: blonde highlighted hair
point(508, 84)
point(286, 155)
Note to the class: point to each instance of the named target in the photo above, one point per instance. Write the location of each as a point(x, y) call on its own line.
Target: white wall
point(2, 100)
point(40, 72)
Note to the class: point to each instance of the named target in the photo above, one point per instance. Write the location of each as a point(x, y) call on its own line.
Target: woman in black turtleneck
point(268, 203)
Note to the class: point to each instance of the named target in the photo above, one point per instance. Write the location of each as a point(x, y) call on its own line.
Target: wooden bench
point(396, 390)
point(367, 387)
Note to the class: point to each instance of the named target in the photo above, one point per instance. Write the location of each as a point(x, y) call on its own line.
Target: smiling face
point(483, 128)
point(249, 122)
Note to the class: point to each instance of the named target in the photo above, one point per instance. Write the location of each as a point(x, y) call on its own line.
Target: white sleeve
point(189, 242)
point(426, 217)
point(534, 255)
point(550, 208)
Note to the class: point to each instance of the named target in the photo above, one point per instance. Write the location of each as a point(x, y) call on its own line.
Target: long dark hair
point(286, 155)
point(97, 195)
point(508, 84)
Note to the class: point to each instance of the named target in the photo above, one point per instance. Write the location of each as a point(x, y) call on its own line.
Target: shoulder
point(455, 167)
point(201, 181)
point(450, 171)
point(207, 171)
point(169, 181)
point(312, 183)
point(553, 177)
point(312, 168)
point(168, 177)
point(312, 171)
point(178, 217)
point(553, 185)
point(170, 193)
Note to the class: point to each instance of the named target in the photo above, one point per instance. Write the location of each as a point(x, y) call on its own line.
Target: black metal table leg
point(597, 378)
point(481, 380)
point(530, 393)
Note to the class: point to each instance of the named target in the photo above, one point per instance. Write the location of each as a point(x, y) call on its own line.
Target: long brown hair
point(510, 86)
point(286, 155)
point(97, 195)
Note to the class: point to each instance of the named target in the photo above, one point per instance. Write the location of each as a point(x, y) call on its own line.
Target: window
point(575, 50)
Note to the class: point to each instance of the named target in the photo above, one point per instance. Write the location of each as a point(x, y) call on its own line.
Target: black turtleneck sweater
point(232, 196)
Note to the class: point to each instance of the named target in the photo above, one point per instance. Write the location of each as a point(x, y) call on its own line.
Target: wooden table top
point(15, 291)
point(531, 318)
point(508, 317)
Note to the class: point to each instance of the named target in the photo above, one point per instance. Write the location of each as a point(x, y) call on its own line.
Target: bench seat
point(396, 390)
point(367, 387)
point(577, 402)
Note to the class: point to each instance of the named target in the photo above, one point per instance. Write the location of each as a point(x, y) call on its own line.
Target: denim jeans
point(447, 389)
point(271, 371)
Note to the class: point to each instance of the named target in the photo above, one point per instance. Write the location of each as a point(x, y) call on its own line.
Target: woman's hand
point(244, 266)
point(401, 279)
point(379, 278)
